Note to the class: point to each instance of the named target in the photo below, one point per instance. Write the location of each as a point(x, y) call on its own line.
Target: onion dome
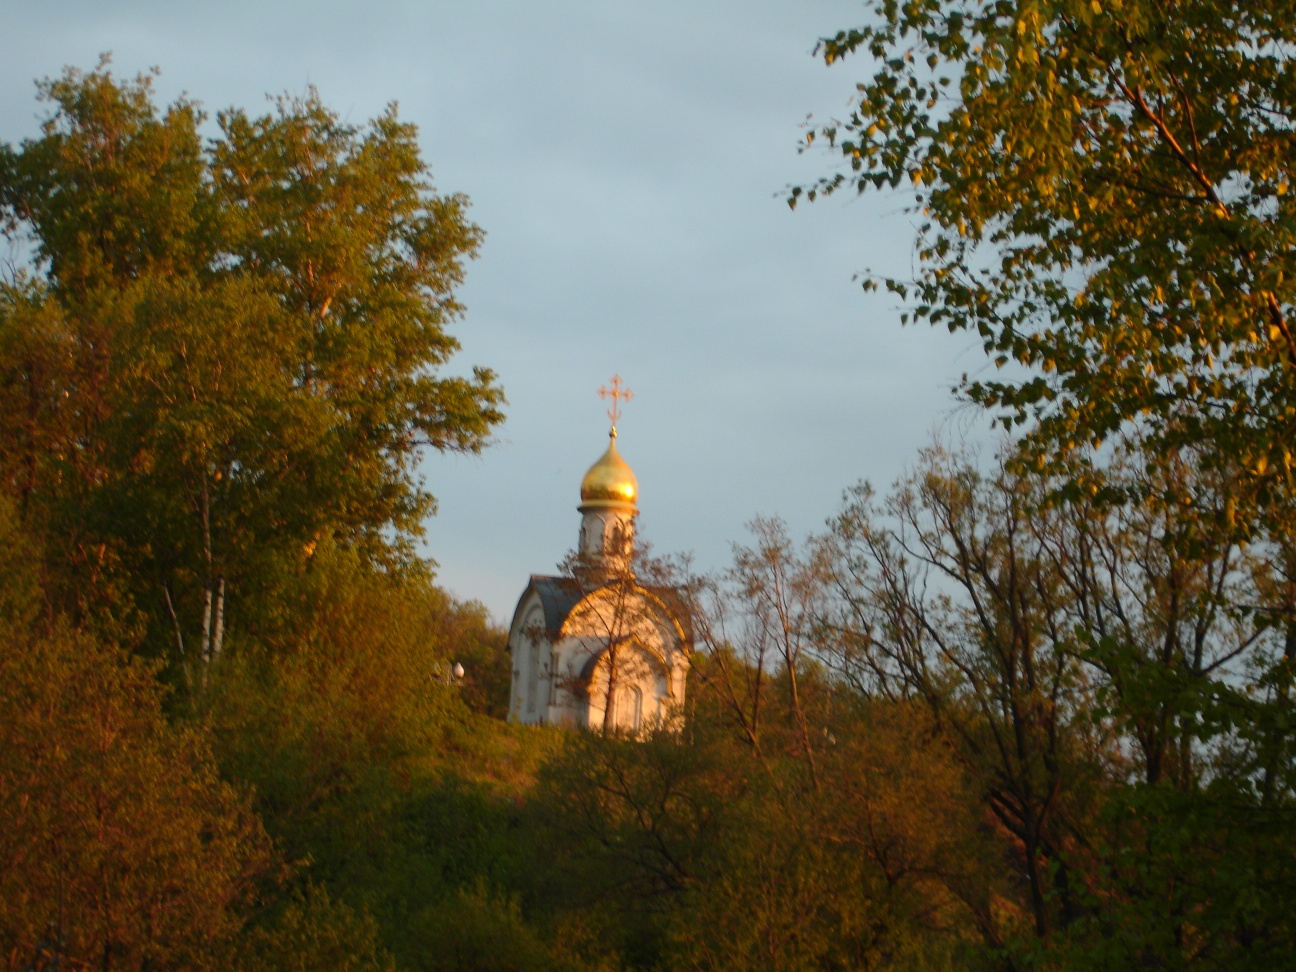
point(610, 482)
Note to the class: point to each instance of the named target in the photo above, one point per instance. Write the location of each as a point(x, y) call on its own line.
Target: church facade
point(595, 648)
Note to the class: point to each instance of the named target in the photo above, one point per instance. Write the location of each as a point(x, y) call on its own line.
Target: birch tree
point(241, 340)
point(1103, 196)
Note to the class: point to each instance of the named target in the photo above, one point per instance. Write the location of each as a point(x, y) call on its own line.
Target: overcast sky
point(627, 161)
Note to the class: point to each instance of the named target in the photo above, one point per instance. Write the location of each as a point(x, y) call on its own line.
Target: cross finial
point(618, 392)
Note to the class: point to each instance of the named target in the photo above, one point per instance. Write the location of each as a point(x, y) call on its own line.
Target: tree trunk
point(218, 625)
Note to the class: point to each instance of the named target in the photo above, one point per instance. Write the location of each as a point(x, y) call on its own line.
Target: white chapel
point(595, 648)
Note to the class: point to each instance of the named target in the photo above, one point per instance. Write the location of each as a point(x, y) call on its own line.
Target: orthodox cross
point(618, 392)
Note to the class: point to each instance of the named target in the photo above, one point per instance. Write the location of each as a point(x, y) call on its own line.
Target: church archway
point(627, 708)
point(625, 688)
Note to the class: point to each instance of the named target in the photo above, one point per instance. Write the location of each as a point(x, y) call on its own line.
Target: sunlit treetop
point(225, 350)
point(1105, 197)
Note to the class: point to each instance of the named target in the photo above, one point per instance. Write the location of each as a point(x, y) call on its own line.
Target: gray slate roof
point(560, 595)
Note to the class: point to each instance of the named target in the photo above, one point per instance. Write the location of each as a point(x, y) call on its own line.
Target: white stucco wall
point(567, 673)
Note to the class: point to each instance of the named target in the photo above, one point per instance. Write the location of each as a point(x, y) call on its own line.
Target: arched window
point(627, 707)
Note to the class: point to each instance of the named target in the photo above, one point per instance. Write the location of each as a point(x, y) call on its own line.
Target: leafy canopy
point(221, 352)
point(1105, 192)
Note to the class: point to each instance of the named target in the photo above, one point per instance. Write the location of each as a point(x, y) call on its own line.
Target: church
point(595, 648)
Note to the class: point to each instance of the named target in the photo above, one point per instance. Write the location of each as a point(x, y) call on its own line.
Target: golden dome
point(610, 481)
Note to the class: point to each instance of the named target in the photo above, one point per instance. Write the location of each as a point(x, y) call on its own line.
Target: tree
point(120, 846)
point(313, 932)
point(465, 633)
point(334, 722)
point(851, 837)
point(1111, 697)
point(238, 347)
point(1104, 190)
point(759, 623)
point(1105, 195)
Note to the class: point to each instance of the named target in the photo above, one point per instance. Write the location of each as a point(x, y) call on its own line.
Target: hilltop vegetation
point(1022, 711)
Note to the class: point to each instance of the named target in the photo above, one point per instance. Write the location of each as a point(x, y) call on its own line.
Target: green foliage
point(349, 702)
point(476, 930)
point(469, 637)
point(313, 932)
point(1105, 194)
point(1023, 717)
point(1112, 690)
point(650, 810)
point(218, 371)
point(699, 850)
point(391, 796)
point(224, 354)
point(34, 361)
point(1188, 880)
point(120, 845)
